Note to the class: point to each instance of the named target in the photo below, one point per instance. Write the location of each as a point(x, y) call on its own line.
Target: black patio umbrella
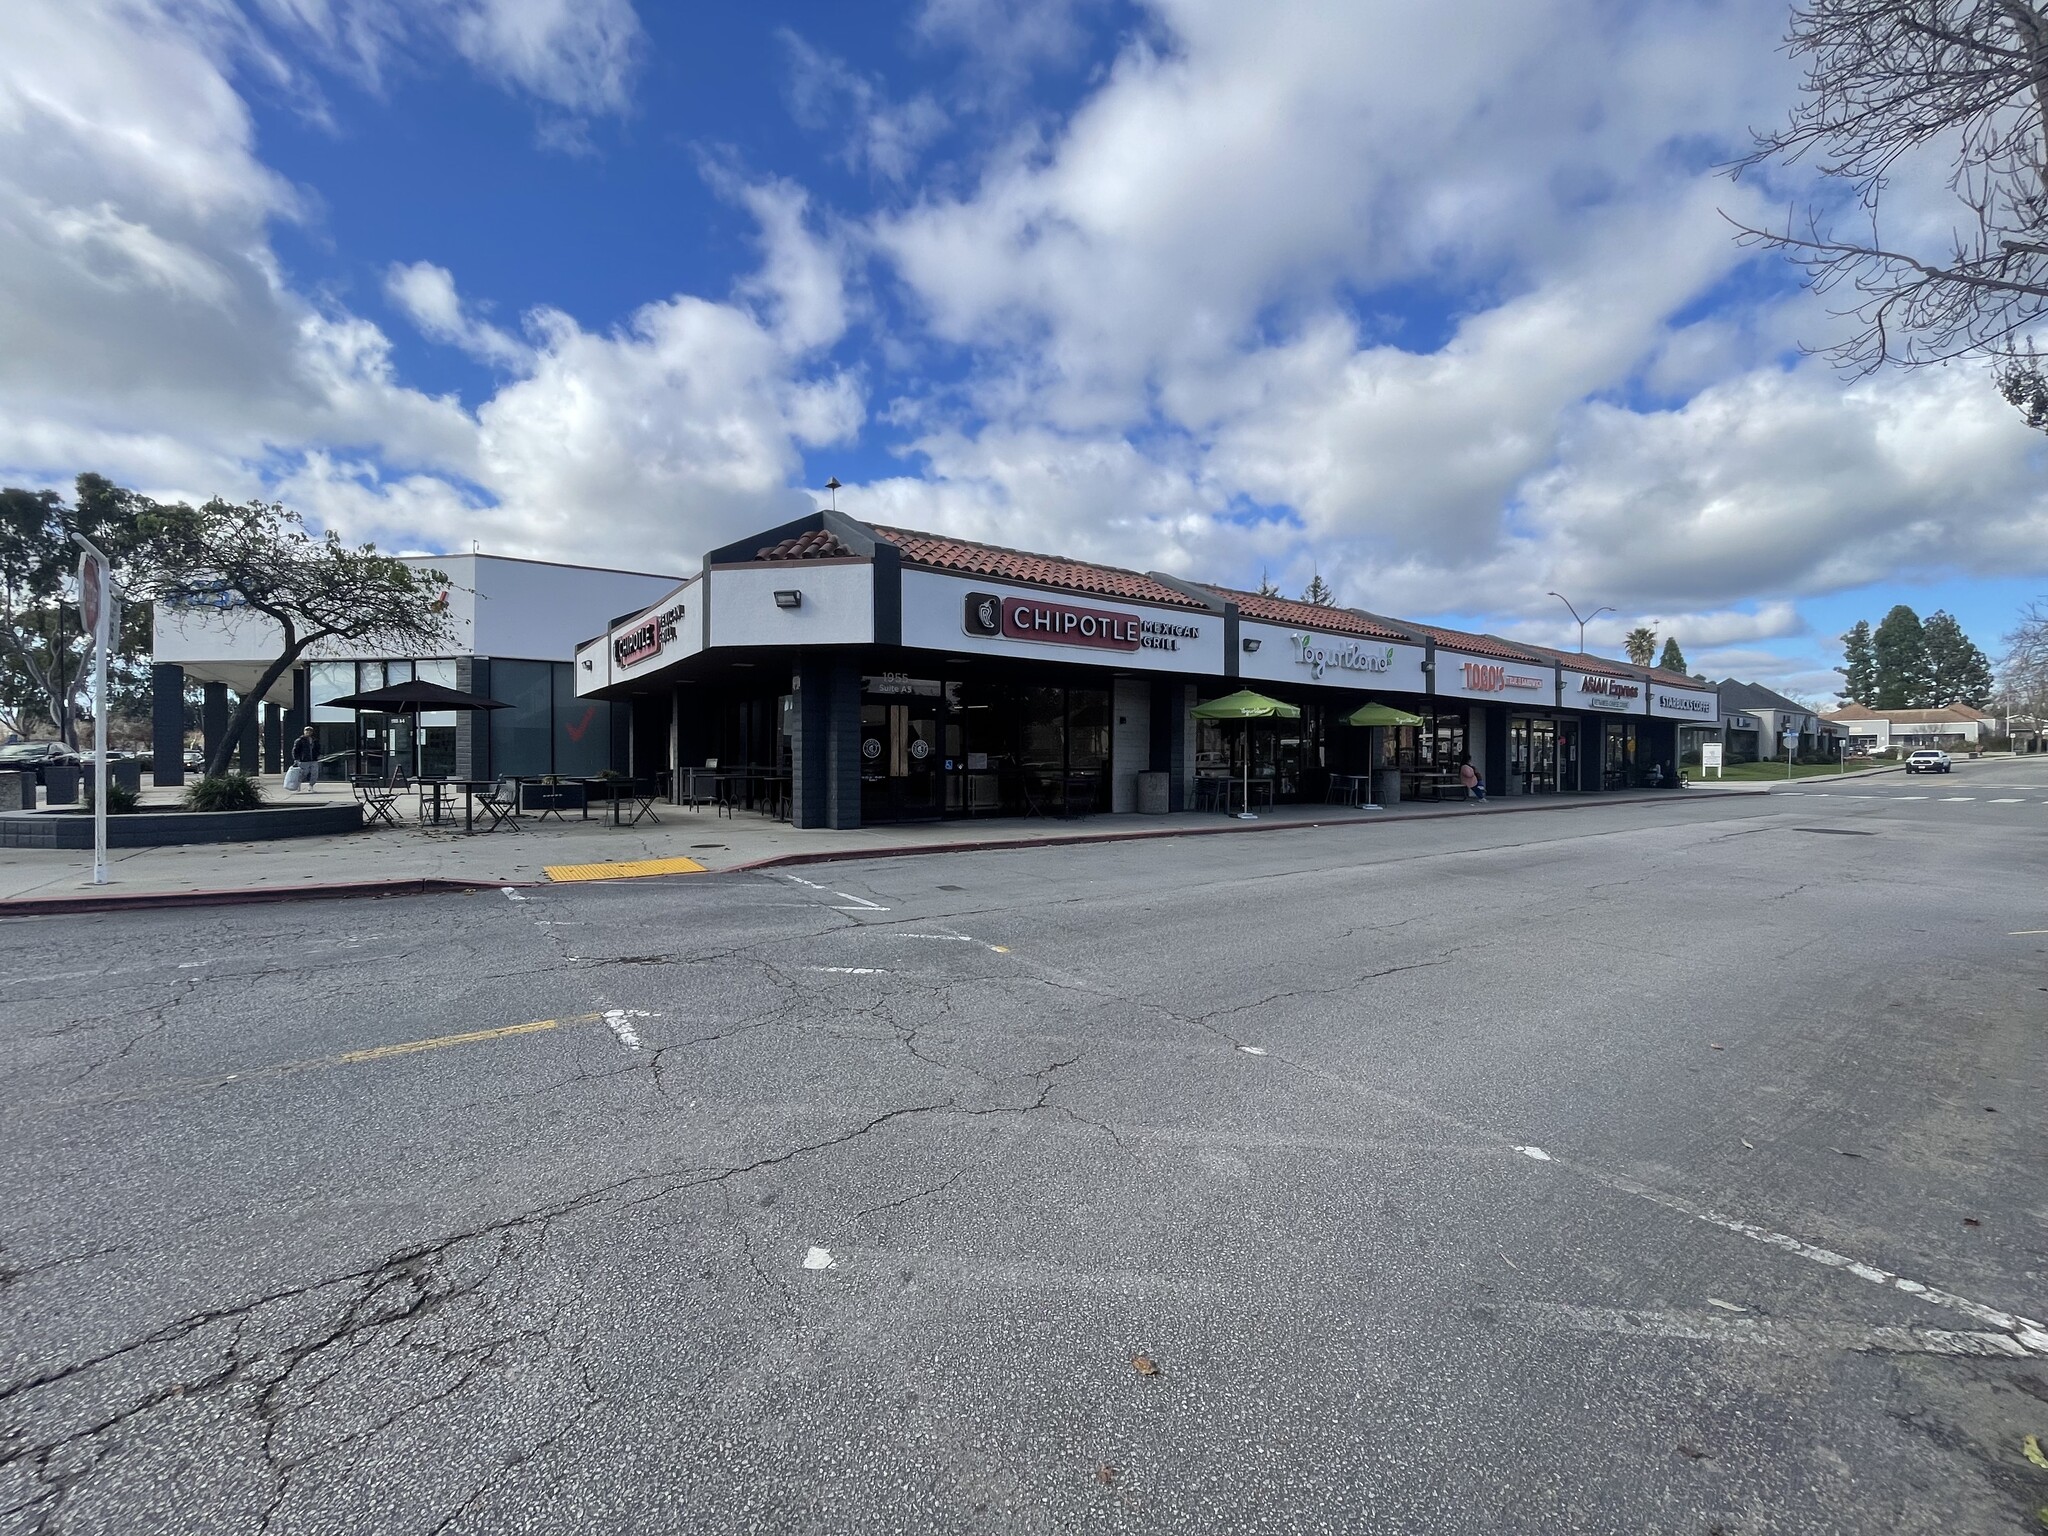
point(414, 698)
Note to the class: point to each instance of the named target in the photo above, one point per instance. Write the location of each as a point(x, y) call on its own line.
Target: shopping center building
point(858, 674)
point(845, 674)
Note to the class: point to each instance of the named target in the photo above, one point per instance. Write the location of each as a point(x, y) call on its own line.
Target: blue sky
point(1318, 286)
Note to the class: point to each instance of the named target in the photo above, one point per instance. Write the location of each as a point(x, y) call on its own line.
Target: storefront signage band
point(1685, 704)
point(645, 640)
point(1029, 618)
point(1347, 655)
point(1491, 677)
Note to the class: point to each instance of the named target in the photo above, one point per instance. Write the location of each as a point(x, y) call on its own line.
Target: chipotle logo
point(1027, 618)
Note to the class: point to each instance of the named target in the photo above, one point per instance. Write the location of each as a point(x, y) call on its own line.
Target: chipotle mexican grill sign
point(1029, 618)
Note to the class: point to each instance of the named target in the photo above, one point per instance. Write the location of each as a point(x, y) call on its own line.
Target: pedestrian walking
point(305, 761)
point(1475, 786)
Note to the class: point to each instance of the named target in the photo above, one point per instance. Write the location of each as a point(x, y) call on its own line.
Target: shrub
point(224, 792)
point(121, 801)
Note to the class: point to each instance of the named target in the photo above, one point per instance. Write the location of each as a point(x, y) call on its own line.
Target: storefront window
point(436, 727)
point(520, 733)
point(582, 728)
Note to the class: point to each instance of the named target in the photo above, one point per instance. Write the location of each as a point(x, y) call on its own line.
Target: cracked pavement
point(1265, 1111)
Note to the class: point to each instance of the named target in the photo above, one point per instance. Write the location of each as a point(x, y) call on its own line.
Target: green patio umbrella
point(1377, 713)
point(1381, 714)
point(1246, 706)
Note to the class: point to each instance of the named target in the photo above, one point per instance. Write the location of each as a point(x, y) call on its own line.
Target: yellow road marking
point(345, 1059)
point(439, 1042)
point(631, 869)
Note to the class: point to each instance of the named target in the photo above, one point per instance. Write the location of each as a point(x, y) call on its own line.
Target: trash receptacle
point(127, 774)
point(60, 784)
point(1386, 786)
point(17, 791)
point(1152, 793)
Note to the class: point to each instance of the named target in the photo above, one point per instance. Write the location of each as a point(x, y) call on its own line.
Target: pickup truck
point(1928, 760)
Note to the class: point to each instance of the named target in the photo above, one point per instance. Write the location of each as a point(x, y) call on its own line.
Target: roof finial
point(832, 485)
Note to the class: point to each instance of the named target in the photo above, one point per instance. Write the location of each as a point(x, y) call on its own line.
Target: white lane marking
point(620, 1022)
point(1902, 799)
point(1956, 799)
point(2031, 1336)
point(953, 938)
point(848, 970)
point(819, 1258)
point(860, 903)
point(510, 894)
point(1537, 1153)
point(188, 965)
point(1253, 1050)
point(2026, 933)
point(2008, 802)
point(1725, 1306)
point(1783, 1334)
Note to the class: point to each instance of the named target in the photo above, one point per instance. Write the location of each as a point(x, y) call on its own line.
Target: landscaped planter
point(164, 829)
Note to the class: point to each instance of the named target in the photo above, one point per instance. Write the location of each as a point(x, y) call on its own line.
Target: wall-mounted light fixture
point(1252, 643)
point(587, 666)
point(789, 599)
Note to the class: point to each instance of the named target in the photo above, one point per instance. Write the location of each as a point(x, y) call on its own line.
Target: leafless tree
point(2023, 673)
point(1889, 80)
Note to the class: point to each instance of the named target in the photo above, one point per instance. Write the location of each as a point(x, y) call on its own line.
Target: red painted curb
point(54, 906)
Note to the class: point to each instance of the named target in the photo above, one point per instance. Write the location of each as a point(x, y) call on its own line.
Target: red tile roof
point(1482, 645)
point(818, 544)
point(1287, 610)
point(940, 553)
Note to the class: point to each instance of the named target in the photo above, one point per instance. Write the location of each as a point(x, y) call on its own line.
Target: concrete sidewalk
point(414, 858)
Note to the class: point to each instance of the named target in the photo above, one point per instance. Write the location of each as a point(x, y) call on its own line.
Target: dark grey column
point(1592, 749)
point(250, 746)
point(273, 738)
point(1170, 739)
point(473, 726)
point(167, 722)
point(825, 745)
point(213, 718)
point(1496, 766)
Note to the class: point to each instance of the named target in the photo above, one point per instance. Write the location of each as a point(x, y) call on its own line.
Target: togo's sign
point(1492, 677)
point(646, 638)
point(1029, 618)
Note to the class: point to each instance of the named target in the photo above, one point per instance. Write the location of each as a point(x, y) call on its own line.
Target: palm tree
point(1641, 645)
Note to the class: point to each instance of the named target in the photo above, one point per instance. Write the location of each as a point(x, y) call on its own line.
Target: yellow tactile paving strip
point(631, 869)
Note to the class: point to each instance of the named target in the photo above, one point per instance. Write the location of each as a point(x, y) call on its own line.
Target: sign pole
point(96, 606)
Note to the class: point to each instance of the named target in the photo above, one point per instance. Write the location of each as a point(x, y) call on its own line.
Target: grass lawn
point(1754, 773)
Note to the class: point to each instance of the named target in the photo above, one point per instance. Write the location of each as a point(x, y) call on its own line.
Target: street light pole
point(1589, 618)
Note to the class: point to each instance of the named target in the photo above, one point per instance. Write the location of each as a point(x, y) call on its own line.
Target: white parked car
point(1928, 760)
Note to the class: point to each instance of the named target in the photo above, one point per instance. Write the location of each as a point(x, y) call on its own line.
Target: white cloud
point(575, 55)
point(885, 136)
point(427, 295)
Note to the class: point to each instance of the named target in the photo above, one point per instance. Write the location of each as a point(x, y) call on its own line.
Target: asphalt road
point(1669, 1167)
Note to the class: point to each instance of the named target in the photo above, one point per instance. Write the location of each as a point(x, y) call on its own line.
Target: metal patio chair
point(500, 804)
point(379, 802)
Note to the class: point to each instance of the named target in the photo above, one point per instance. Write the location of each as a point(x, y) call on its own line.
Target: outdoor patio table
point(469, 787)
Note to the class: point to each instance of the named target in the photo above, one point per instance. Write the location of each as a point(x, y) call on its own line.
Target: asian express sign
point(1614, 694)
point(1103, 629)
point(646, 638)
point(1318, 653)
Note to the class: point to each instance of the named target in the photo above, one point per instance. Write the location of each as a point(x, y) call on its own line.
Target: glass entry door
point(902, 766)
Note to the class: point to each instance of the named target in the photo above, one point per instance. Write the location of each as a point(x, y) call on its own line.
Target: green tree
point(1673, 659)
point(1859, 665)
point(259, 568)
point(45, 661)
point(1899, 651)
point(1958, 673)
point(1641, 645)
point(1318, 592)
point(1268, 587)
